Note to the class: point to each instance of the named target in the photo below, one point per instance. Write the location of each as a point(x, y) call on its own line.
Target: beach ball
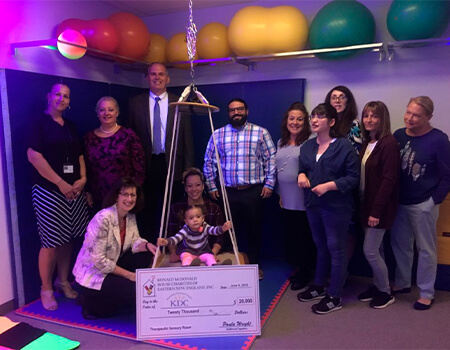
point(69, 51)
point(341, 23)
point(157, 49)
point(415, 20)
point(212, 41)
point(134, 37)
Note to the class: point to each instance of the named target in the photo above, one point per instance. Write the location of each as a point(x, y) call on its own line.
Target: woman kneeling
point(106, 264)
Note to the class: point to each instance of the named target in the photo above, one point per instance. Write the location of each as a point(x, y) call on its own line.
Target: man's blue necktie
point(157, 127)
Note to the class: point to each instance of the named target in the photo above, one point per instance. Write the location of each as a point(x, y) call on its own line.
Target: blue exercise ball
point(415, 20)
point(341, 23)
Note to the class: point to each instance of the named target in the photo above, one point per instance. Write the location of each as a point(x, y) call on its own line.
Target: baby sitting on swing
point(194, 248)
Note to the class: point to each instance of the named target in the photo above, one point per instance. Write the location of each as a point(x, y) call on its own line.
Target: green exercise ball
point(415, 20)
point(341, 23)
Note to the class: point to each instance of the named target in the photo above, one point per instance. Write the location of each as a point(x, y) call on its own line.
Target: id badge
point(68, 168)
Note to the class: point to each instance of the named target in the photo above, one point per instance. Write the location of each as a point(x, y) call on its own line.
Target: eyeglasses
point(237, 109)
point(338, 98)
point(318, 116)
point(131, 195)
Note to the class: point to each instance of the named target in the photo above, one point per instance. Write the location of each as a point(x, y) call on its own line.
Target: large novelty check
point(197, 301)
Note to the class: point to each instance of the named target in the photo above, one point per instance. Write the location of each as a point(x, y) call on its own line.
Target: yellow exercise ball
point(212, 41)
point(157, 49)
point(287, 30)
point(247, 30)
point(176, 50)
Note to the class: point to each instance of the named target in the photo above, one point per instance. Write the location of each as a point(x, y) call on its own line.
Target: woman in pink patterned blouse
point(111, 152)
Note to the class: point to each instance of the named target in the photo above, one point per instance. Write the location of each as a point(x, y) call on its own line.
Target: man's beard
point(238, 122)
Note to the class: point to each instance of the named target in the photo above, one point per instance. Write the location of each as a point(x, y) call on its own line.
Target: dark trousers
point(117, 292)
point(149, 219)
point(247, 212)
point(300, 248)
point(329, 228)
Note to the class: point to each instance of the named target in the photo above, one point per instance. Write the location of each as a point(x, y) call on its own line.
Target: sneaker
point(369, 294)
point(327, 305)
point(381, 300)
point(312, 293)
point(401, 291)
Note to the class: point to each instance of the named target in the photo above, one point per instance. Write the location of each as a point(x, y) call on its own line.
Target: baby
point(194, 238)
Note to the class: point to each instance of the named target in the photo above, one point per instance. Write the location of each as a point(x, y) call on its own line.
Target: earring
point(68, 107)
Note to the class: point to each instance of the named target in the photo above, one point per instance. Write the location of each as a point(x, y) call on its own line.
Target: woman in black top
point(59, 202)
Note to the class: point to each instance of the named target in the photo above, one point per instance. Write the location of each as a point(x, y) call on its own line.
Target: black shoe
point(422, 307)
point(401, 291)
point(298, 284)
point(381, 300)
point(369, 294)
point(86, 311)
point(327, 305)
point(312, 293)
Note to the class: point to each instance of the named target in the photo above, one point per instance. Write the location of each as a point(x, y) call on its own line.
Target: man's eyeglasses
point(237, 109)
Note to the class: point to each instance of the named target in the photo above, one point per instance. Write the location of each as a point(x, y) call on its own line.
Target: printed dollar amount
point(245, 301)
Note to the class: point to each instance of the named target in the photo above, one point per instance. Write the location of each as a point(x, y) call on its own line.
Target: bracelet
point(146, 247)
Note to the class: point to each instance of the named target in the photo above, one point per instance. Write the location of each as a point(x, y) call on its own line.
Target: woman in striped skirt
point(59, 176)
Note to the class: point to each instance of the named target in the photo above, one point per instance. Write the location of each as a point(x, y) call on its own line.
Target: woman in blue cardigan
point(328, 173)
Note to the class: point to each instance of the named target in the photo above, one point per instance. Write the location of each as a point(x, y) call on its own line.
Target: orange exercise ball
point(176, 50)
point(286, 30)
point(71, 23)
point(134, 36)
point(157, 49)
point(247, 30)
point(212, 41)
point(101, 35)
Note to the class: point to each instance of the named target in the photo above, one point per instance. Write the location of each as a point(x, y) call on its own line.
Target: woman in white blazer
point(105, 267)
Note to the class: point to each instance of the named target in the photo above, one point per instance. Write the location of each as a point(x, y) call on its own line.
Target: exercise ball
point(157, 49)
point(247, 31)
point(134, 36)
point(69, 51)
point(341, 23)
point(101, 35)
point(415, 20)
point(71, 23)
point(176, 50)
point(212, 41)
point(287, 30)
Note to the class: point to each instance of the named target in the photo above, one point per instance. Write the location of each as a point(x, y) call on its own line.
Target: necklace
point(109, 131)
point(286, 160)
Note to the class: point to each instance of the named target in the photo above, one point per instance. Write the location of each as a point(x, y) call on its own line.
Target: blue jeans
point(329, 229)
point(373, 250)
point(416, 222)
